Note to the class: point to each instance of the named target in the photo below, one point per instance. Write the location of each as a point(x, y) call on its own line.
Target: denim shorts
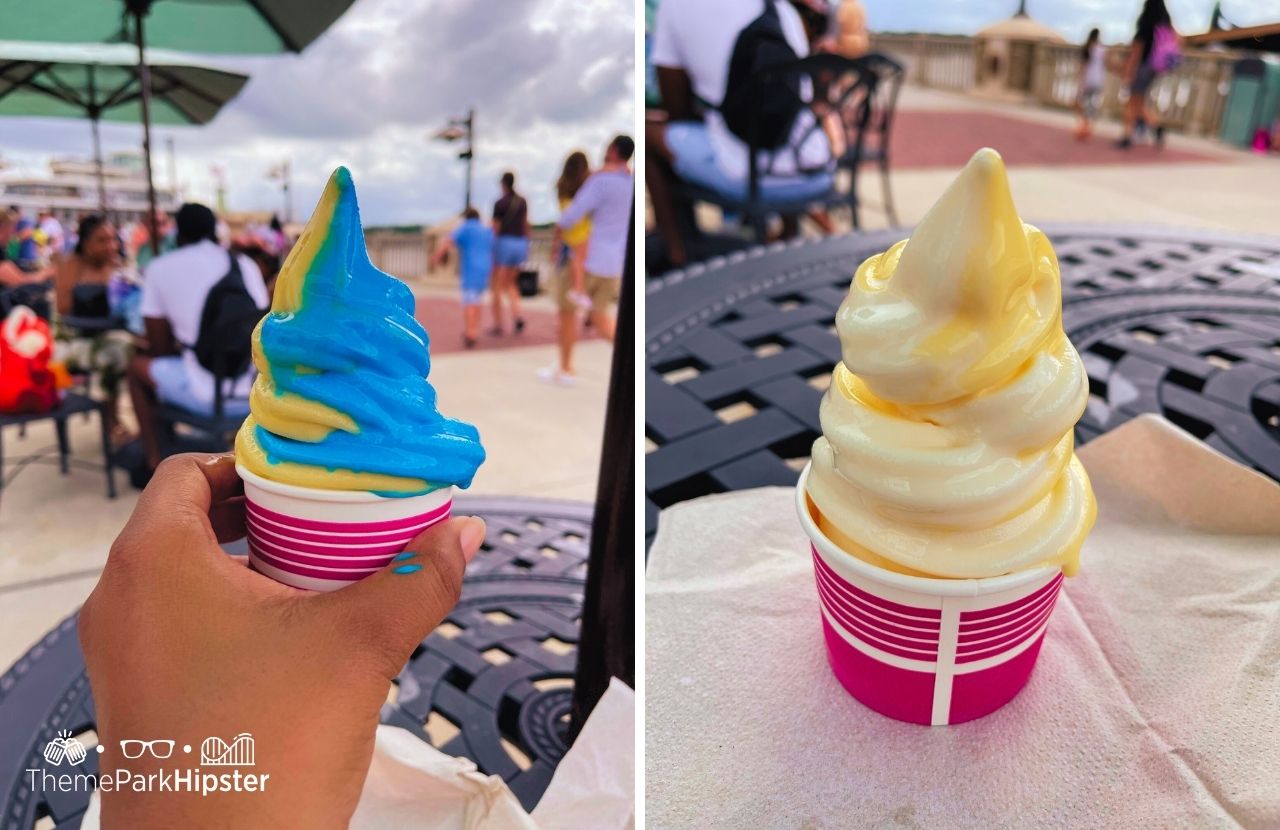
point(510, 251)
point(1142, 80)
point(695, 162)
point(173, 386)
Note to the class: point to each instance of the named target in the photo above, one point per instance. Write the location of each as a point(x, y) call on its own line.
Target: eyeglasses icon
point(158, 749)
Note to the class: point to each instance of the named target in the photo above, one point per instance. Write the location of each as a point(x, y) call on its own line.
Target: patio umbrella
point(242, 27)
point(100, 81)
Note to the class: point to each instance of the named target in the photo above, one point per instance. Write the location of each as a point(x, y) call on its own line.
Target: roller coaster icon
point(215, 752)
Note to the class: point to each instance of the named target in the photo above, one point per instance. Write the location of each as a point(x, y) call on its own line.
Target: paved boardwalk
point(946, 138)
point(1195, 182)
point(55, 532)
point(441, 314)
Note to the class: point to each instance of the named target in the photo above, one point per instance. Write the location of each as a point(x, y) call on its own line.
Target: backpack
point(1166, 53)
point(225, 343)
point(776, 103)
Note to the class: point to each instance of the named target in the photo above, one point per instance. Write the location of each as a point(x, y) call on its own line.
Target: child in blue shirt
point(474, 243)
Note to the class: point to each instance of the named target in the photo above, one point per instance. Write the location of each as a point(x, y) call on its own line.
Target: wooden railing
point(1190, 99)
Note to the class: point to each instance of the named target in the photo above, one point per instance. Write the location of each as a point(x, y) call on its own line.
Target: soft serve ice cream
point(947, 446)
point(341, 401)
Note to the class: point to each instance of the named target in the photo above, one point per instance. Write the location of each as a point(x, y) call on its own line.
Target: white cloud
point(545, 76)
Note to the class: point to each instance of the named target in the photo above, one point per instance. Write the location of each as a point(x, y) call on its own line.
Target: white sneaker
point(551, 374)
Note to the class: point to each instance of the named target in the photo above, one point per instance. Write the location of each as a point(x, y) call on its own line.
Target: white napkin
point(413, 786)
point(1155, 703)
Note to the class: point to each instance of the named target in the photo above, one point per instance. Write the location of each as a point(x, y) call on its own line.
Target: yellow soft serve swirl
point(947, 445)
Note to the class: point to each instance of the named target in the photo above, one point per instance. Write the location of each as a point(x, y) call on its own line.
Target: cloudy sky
point(545, 76)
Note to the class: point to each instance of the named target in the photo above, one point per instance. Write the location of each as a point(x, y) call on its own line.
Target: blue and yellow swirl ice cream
point(342, 401)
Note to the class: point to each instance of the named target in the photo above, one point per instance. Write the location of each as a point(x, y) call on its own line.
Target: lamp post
point(456, 130)
point(220, 188)
point(283, 172)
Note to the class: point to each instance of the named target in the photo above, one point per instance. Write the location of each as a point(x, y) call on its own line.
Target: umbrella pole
point(139, 9)
point(97, 163)
point(606, 640)
point(95, 113)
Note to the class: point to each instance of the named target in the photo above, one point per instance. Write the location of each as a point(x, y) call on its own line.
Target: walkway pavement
point(55, 532)
point(1194, 183)
point(440, 311)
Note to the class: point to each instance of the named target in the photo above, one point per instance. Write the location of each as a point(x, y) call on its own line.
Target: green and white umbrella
point(238, 27)
point(101, 82)
point(224, 27)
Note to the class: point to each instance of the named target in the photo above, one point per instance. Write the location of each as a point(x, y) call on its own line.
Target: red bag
point(27, 383)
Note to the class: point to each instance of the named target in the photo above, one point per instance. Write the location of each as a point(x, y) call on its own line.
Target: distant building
point(1005, 52)
point(71, 189)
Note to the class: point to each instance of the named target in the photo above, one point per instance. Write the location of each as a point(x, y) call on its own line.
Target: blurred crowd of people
point(1154, 50)
point(590, 243)
point(128, 310)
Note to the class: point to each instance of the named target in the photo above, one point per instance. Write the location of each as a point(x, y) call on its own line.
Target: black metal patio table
point(492, 683)
point(739, 350)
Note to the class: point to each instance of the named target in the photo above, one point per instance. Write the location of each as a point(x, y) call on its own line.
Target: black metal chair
point(219, 426)
point(871, 143)
point(827, 85)
point(72, 404)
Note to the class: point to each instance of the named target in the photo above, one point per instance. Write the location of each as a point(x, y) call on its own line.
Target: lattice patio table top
point(739, 350)
point(492, 683)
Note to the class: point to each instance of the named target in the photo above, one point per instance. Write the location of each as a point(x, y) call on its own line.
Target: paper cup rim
point(934, 586)
point(317, 494)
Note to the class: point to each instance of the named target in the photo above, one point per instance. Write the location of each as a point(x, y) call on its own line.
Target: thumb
point(393, 610)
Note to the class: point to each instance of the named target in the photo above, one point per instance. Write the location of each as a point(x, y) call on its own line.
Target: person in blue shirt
point(474, 242)
point(28, 245)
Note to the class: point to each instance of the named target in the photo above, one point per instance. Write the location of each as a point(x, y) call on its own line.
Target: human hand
point(184, 642)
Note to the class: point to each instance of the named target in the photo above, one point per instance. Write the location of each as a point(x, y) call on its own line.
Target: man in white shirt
point(174, 290)
point(607, 198)
point(693, 41)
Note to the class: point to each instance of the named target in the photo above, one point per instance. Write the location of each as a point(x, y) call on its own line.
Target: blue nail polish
point(404, 556)
point(407, 569)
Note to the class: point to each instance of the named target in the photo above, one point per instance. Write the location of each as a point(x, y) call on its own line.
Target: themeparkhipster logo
point(67, 752)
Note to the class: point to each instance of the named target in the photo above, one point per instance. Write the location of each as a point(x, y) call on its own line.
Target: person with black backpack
point(705, 54)
point(200, 305)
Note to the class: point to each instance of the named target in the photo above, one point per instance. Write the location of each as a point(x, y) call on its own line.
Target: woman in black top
point(1139, 74)
point(510, 250)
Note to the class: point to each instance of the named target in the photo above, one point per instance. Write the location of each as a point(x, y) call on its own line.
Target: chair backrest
point(33, 295)
point(223, 390)
point(831, 89)
point(883, 102)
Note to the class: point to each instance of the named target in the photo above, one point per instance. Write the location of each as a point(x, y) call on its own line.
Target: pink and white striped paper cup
point(923, 650)
point(323, 540)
